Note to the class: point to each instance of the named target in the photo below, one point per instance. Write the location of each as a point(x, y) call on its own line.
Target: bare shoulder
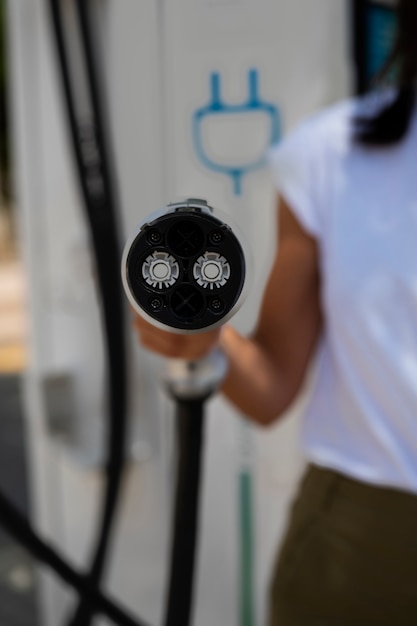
point(290, 319)
point(290, 230)
point(295, 272)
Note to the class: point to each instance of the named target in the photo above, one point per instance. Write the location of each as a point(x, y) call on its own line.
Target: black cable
point(113, 320)
point(190, 433)
point(19, 528)
point(94, 174)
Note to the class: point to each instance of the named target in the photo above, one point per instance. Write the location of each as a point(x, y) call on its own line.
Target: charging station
point(196, 91)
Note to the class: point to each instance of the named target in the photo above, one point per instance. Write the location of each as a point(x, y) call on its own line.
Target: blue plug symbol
point(217, 107)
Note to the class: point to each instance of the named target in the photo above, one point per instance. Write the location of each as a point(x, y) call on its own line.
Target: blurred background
point(194, 93)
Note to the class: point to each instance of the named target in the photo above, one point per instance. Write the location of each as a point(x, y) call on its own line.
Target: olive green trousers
point(349, 556)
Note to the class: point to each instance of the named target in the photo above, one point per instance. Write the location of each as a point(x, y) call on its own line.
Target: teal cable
point(247, 557)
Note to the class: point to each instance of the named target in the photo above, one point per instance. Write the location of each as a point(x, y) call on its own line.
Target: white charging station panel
point(197, 91)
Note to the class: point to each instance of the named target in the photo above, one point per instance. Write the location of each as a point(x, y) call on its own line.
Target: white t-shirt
point(361, 206)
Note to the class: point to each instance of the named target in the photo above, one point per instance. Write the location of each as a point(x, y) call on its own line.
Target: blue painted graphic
point(381, 30)
point(217, 107)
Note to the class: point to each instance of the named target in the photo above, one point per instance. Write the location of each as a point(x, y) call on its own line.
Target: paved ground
point(18, 598)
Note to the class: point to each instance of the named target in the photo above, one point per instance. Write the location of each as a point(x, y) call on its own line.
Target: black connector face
point(186, 270)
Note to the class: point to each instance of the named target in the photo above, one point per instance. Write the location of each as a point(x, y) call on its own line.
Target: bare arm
point(267, 369)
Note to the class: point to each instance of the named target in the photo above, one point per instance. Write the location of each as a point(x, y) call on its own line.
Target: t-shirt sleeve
point(295, 166)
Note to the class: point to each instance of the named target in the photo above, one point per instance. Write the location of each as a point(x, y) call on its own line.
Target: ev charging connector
point(184, 271)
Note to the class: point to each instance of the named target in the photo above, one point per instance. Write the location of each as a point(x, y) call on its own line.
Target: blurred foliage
point(4, 134)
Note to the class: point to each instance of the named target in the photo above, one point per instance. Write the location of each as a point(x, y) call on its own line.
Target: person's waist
point(382, 499)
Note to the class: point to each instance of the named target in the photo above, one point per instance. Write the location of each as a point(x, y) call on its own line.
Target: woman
point(343, 289)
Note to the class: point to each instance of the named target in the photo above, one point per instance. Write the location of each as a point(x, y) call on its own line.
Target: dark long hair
point(391, 123)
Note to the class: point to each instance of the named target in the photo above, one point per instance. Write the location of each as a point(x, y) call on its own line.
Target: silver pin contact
point(160, 270)
point(211, 270)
